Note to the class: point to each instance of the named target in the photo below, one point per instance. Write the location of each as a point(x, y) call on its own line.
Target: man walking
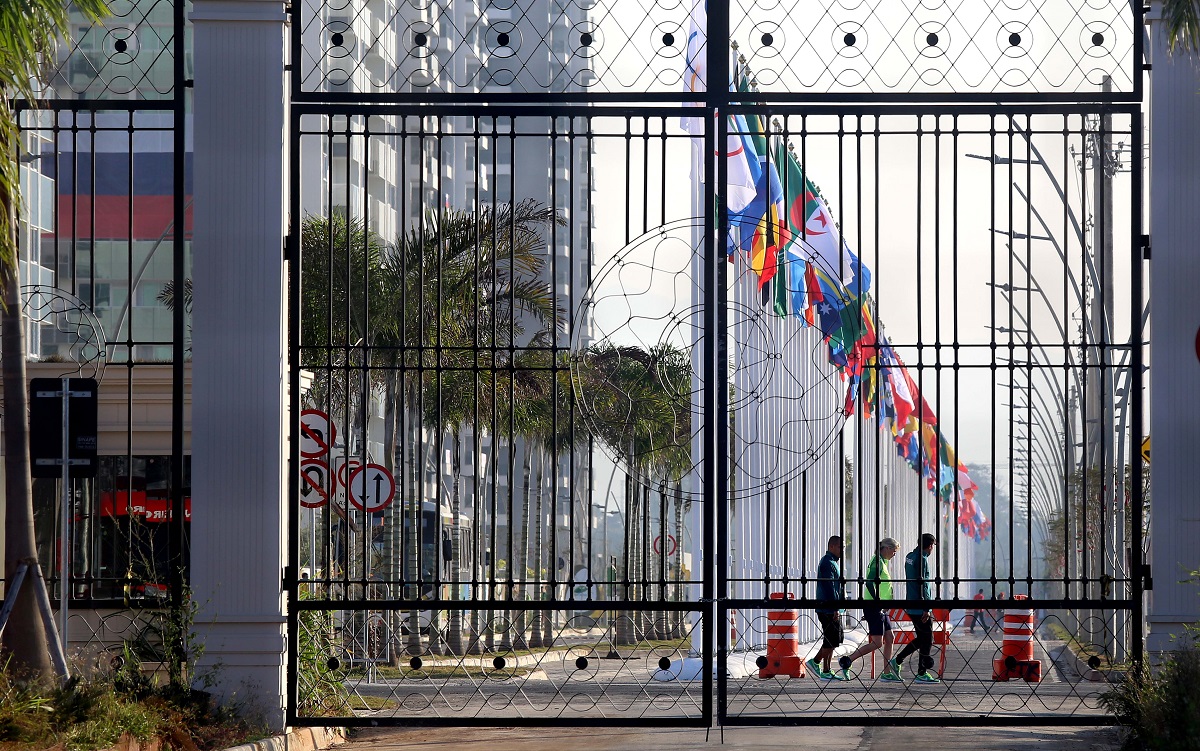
point(878, 587)
point(831, 590)
point(977, 615)
point(917, 574)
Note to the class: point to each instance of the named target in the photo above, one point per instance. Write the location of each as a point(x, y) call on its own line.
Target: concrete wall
point(240, 368)
point(1174, 360)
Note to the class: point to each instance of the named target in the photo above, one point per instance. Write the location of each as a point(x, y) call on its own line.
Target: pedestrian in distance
point(877, 587)
point(831, 590)
point(919, 587)
point(997, 614)
point(977, 618)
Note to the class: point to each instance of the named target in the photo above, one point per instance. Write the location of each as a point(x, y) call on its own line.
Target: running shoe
point(828, 676)
point(844, 674)
point(814, 667)
point(927, 677)
point(890, 677)
point(893, 667)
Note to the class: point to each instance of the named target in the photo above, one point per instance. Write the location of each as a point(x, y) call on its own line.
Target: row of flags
point(805, 268)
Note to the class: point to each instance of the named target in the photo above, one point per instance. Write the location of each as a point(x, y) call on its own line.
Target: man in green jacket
point(917, 574)
point(878, 587)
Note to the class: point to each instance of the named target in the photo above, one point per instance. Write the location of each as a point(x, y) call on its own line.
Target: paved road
point(818, 739)
point(559, 684)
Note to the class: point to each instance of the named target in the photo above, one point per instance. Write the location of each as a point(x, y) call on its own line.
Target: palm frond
point(1182, 18)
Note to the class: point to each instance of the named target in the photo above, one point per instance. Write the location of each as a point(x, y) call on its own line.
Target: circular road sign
point(371, 487)
point(317, 433)
point(315, 482)
point(671, 545)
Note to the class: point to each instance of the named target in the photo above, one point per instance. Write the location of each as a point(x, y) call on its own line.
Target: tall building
point(393, 170)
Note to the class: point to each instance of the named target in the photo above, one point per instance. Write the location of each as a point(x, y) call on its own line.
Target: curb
point(297, 739)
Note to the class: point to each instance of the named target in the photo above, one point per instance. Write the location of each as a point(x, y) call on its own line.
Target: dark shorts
point(877, 622)
point(831, 628)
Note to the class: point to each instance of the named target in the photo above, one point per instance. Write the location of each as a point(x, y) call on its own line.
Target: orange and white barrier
point(903, 632)
point(1016, 653)
point(783, 642)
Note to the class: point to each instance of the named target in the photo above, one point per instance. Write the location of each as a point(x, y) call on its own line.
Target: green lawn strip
point(373, 703)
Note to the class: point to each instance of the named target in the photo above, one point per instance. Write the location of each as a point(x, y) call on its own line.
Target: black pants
point(922, 640)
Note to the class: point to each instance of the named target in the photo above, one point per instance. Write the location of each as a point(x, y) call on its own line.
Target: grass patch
point(96, 712)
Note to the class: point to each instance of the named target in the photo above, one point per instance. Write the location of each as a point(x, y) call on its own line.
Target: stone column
point(1174, 364)
point(240, 370)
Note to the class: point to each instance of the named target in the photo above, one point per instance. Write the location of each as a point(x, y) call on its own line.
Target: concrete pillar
point(1174, 359)
point(240, 370)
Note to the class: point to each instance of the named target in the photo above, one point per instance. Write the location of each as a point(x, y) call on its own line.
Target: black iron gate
point(525, 280)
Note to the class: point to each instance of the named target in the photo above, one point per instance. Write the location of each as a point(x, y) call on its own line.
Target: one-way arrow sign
point(371, 487)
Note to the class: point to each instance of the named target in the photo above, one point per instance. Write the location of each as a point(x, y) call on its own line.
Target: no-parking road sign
point(317, 433)
point(315, 483)
point(371, 487)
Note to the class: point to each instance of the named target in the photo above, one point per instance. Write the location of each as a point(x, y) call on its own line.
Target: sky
point(930, 219)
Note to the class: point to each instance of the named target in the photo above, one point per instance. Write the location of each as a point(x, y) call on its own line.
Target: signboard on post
point(371, 487)
point(46, 426)
point(317, 433)
point(315, 483)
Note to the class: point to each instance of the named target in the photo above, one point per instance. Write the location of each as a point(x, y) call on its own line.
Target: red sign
point(314, 483)
point(317, 433)
point(672, 544)
point(151, 509)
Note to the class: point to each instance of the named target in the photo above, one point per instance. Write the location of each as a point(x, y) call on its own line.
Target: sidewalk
point(820, 738)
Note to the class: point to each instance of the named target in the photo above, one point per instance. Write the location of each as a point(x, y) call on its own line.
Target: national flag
point(810, 222)
point(779, 285)
point(757, 216)
point(764, 255)
point(695, 63)
point(798, 287)
point(743, 167)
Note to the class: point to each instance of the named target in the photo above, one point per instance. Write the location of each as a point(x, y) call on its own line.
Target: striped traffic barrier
point(783, 642)
point(1016, 652)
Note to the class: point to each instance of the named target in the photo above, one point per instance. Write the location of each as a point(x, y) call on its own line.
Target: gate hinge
point(288, 576)
point(287, 247)
point(1145, 247)
point(1147, 578)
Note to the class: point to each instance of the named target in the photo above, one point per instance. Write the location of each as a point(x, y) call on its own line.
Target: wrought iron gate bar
point(924, 722)
point(947, 603)
point(457, 611)
point(950, 101)
point(1014, 51)
point(665, 606)
point(732, 102)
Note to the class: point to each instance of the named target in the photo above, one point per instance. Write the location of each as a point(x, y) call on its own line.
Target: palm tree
point(641, 407)
point(29, 34)
point(462, 286)
point(341, 295)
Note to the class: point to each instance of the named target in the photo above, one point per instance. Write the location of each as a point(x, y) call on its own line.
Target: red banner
point(150, 509)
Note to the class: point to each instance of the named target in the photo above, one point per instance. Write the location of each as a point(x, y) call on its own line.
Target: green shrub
point(320, 666)
point(1161, 709)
